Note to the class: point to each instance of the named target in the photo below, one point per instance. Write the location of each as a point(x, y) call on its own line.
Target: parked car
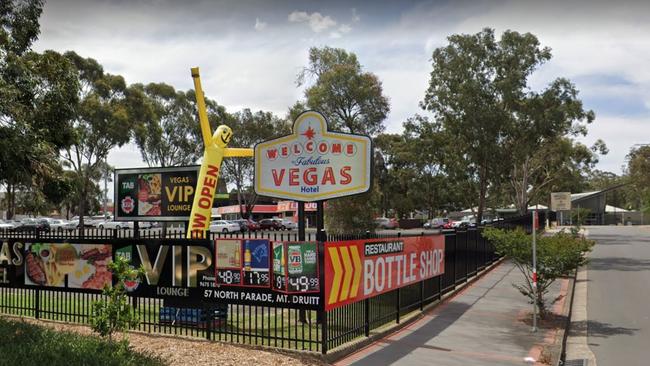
point(288, 224)
point(222, 226)
point(56, 224)
point(449, 224)
point(8, 224)
point(33, 224)
point(270, 224)
point(465, 222)
point(436, 223)
point(252, 225)
point(243, 225)
point(115, 225)
point(88, 222)
point(386, 223)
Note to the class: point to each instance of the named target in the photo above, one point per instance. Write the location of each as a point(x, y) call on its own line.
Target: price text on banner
point(359, 269)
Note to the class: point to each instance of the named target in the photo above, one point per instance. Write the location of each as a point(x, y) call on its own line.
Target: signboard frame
point(281, 193)
point(560, 197)
point(147, 170)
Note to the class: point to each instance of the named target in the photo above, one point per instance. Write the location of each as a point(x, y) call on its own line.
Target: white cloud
point(355, 16)
point(344, 28)
point(260, 25)
point(317, 22)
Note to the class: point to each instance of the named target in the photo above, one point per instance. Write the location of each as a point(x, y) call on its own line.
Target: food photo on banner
point(79, 266)
point(82, 267)
point(155, 194)
point(199, 272)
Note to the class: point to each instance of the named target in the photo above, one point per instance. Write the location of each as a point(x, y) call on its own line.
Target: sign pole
point(301, 221)
point(320, 222)
point(535, 270)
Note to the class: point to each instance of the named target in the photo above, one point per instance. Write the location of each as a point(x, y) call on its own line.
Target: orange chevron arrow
point(354, 250)
point(336, 282)
point(347, 270)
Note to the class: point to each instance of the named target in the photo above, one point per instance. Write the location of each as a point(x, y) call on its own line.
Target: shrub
point(114, 313)
point(579, 216)
point(558, 255)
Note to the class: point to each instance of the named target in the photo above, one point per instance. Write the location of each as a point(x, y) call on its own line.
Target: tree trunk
point(10, 201)
point(482, 193)
point(522, 197)
point(82, 209)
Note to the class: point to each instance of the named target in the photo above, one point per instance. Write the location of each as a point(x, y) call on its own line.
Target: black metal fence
point(466, 254)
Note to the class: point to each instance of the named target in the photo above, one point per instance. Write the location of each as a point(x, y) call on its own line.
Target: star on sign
point(309, 133)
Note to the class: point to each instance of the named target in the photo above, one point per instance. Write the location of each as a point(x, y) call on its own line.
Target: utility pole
point(535, 220)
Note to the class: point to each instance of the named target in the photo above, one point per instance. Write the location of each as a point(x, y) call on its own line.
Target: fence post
point(397, 305)
point(208, 329)
point(324, 332)
point(366, 309)
point(422, 295)
point(37, 303)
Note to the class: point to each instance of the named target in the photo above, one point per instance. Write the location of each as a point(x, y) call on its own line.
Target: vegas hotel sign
point(313, 164)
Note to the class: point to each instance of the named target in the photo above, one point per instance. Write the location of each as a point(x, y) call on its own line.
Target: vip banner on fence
point(360, 269)
point(227, 271)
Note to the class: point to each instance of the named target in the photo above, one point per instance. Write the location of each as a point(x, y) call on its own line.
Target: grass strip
point(28, 344)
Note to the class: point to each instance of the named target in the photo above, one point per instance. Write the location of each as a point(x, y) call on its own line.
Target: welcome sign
point(313, 164)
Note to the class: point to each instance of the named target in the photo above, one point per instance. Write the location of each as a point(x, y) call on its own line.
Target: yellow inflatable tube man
point(215, 150)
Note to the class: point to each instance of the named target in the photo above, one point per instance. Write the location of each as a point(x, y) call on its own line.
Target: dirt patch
point(193, 352)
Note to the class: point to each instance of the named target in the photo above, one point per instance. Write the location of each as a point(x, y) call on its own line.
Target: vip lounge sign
point(313, 164)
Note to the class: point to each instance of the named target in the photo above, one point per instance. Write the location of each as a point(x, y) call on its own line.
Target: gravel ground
point(179, 351)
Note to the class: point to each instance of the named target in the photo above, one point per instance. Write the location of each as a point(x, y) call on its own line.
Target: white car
point(58, 224)
point(8, 224)
point(222, 226)
point(288, 224)
point(116, 225)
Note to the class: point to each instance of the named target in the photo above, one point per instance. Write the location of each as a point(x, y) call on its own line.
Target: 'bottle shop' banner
point(359, 269)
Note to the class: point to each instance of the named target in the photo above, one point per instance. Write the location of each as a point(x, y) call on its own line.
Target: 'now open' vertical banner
point(359, 269)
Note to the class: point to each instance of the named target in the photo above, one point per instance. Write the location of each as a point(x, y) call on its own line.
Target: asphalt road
point(618, 295)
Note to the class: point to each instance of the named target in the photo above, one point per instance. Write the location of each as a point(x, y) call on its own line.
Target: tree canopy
point(479, 92)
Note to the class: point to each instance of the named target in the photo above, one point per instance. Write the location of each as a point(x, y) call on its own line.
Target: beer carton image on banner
point(359, 269)
point(243, 262)
point(295, 267)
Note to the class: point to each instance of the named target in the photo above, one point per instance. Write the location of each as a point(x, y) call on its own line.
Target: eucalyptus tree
point(353, 101)
point(38, 92)
point(104, 118)
point(479, 91)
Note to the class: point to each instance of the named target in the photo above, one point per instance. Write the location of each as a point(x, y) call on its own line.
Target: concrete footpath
point(486, 323)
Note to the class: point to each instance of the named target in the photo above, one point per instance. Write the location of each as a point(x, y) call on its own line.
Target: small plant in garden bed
point(114, 313)
point(558, 256)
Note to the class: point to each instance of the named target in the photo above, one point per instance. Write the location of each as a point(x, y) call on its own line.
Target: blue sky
point(250, 51)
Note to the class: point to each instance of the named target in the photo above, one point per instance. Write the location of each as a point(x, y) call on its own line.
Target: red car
point(253, 226)
point(448, 225)
point(270, 224)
